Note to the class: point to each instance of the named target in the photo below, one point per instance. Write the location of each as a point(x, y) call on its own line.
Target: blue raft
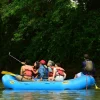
point(82, 82)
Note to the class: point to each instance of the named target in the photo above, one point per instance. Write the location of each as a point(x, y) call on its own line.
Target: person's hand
point(40, 79)
point(52, 79)
point(23, 63)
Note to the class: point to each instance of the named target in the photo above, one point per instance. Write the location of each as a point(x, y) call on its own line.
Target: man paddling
point(87, 67)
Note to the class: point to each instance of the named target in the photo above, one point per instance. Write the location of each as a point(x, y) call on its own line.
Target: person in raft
point(51, 70)
point(26, 72)
point(36, 66)
point(60, 73)
point(56, 73)
point(87, 67)
point(43, 71)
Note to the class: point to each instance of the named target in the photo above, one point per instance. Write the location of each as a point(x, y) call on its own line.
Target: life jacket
point(89, 65)
point(50, 71)
point(28, 71)
point(60, 72)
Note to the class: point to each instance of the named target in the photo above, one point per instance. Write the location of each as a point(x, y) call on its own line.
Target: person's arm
point(65, 75)
point(21, 71)
point(75, 76)
point(54, 73)
point(33, 67)
point(35, 72)
point(83, 65)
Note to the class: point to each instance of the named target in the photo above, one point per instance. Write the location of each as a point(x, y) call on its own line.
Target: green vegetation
point(49, 29)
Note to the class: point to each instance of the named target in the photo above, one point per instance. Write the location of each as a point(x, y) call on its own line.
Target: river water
point(89, 94)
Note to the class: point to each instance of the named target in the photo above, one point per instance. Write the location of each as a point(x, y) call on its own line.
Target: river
point(89, 94)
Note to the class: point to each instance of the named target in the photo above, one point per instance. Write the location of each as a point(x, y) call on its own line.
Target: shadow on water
point(48, 95)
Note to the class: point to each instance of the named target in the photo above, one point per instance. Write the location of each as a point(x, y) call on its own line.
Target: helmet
point(43, 62)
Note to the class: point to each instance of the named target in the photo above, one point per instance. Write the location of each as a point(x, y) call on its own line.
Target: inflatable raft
point(82, 82)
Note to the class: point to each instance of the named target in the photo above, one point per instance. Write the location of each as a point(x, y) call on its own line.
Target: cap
point(43, 62)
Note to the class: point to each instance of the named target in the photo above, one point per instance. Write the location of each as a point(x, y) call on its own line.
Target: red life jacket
point(28, 73)
point(50, 74)
point(60, 72)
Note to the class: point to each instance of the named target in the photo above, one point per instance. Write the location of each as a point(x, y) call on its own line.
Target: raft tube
point(82, 82)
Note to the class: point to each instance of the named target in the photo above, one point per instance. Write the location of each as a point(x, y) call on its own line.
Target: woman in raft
point(60, 72)
point(41, 70)
point(36, 66)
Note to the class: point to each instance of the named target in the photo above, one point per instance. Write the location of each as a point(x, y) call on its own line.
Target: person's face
point(48, 64)
point(56, 65)
point(35, 64)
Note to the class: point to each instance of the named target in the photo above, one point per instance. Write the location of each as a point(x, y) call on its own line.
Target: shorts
point(59, 78)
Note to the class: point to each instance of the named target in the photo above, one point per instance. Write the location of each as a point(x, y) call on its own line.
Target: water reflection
point(48, 95)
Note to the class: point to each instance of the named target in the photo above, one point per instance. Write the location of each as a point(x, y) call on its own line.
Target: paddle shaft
point(86, 82)
point(14, 58)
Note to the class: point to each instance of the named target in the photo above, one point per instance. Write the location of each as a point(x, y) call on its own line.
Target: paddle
point(17, 76)
point(6, 72)
point(96, 87)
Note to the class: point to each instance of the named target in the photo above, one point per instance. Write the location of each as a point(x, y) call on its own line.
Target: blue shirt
point(42, 72)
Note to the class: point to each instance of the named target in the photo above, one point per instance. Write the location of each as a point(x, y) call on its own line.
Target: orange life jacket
point(28, 71)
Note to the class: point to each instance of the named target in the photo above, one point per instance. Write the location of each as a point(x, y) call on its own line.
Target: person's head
point(43, 62)
point(86, 56)
point(50, 63)
point(27, 62)
point(36, 65)
point(57, 65)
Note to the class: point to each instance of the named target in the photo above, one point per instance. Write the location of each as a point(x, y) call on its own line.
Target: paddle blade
point(6, 72)
point(96, 87)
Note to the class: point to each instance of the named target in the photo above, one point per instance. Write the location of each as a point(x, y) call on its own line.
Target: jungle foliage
point(49, 29)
